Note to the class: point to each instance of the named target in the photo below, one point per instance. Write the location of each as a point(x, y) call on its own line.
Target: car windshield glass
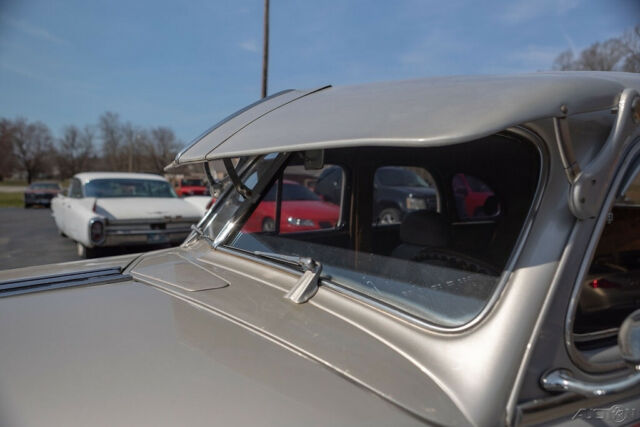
point(45, 186)
point(427, 264)
point(103, 188)
point(192, 183)
point(397, 177)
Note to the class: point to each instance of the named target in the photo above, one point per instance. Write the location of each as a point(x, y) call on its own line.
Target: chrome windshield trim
point(226, 120)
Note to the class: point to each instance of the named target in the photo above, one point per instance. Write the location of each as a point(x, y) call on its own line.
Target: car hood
point(122, 208)
point(185, 342)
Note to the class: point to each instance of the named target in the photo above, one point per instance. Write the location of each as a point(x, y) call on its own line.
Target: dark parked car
point(40, 193)
point(397, 191)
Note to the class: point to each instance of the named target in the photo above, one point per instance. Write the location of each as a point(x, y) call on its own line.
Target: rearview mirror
point(313, 159)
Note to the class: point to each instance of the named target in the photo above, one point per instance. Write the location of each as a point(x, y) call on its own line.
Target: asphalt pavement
point(30, 237)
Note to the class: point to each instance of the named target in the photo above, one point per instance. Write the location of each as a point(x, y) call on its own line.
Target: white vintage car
point(121, 209)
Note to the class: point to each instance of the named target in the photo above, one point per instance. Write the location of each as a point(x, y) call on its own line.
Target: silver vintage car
point(510, 297)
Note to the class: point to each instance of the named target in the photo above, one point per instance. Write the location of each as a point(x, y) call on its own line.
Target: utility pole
point(265, 49)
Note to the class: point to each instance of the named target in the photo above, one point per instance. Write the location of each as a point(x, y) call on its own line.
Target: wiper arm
point(202, 235)
point(307, 285)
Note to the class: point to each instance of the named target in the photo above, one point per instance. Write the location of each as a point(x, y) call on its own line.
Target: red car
point(471, 195)
point(302, 210)
point(191, 187)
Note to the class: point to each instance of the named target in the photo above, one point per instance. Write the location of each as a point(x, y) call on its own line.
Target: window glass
point(611, 289)
point(75, 189)
point(105, 188)
point(428, 266)
point(399, 190)
point(301, 207)
point(475, 200)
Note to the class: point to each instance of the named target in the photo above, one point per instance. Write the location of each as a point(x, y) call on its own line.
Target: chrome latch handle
point(563, 380)
point(629, 345)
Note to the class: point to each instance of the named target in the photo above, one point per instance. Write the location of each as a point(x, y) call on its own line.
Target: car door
point(578, 358)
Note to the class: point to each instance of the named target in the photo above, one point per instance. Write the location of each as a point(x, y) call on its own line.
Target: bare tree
point(32, 146)
point(111, 134)
point(631, 49)
point(616, 54)
point(161, 148)
point(7, 160)
point(75, 150)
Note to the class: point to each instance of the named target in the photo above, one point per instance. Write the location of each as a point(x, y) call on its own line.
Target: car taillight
point(97, 231)
point(604, 284)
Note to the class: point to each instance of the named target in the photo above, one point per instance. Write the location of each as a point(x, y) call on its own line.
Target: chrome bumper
point(132, 237)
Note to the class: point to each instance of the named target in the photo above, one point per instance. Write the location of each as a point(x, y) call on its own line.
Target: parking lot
point(30, 237)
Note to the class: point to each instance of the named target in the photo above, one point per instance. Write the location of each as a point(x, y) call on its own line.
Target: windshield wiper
point(307, 285)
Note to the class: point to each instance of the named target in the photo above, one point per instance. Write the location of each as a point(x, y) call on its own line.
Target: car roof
point(423, 112)
point(89, 176)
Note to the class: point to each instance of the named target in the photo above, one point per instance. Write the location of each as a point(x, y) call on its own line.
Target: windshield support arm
point(307, 285)
point(235, 179)
point(210, 179)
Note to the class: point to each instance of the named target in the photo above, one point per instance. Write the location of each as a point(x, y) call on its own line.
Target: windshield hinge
point(235, 179)
point(565, 147)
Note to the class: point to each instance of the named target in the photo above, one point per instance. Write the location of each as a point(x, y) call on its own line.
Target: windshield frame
point(521, 134)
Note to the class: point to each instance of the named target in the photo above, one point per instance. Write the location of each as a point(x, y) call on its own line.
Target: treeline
point(29, 149)
point(616, 54)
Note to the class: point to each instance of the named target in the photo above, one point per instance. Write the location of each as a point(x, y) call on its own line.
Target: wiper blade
point(307, 285)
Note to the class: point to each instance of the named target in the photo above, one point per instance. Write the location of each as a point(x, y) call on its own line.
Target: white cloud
point(249, 46)
point(34, 31)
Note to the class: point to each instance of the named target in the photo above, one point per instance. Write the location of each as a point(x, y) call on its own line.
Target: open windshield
point(103, 188)
point(428, 265)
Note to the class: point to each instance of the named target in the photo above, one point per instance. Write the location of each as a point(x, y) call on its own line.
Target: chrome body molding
point(45, 283)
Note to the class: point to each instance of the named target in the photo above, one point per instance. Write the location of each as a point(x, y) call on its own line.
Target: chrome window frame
point(576, 356)
point(522, 134)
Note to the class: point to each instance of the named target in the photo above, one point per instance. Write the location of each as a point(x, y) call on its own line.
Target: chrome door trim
point(45, 283)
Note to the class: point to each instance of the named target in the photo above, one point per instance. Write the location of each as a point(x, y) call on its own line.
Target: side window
point(311, 200)
point(75, 188)
point(398, 190)
point(475, 200)
point(611, 289)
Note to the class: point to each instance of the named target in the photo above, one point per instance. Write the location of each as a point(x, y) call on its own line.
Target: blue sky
point(187, 64)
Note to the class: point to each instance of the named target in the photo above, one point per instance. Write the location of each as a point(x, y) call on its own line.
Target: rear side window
point(475, 200)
